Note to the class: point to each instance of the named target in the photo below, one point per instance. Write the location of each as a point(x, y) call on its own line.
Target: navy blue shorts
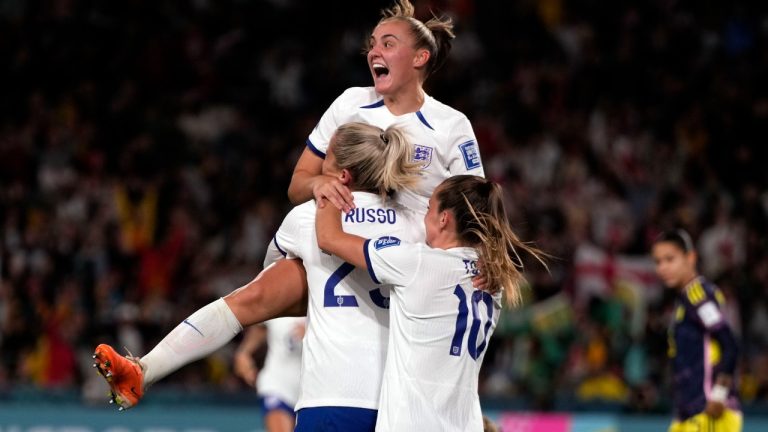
point(336, 419)
point(274, 403)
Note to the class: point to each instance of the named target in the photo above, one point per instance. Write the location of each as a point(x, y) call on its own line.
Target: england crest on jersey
point(422, 154)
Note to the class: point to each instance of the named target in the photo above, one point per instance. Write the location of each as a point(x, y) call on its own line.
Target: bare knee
point(247, 303)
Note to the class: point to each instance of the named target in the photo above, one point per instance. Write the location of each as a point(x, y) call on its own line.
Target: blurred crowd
point(146, 148)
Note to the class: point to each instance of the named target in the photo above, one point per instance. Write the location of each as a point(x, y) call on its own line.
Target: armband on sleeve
point(718, 394)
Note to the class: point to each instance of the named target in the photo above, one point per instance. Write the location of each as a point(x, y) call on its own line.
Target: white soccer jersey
point(280, 375)
point(439, 329)
point(443, 138)
point(348, 317)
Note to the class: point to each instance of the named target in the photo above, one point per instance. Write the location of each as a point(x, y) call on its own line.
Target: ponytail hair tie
point(384, 138)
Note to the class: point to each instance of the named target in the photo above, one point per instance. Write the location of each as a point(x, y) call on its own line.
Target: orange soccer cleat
point(123, 374)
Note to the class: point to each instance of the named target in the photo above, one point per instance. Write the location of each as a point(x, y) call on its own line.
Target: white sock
point(205, 331)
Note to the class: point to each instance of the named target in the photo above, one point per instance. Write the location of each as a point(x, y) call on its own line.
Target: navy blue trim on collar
point(423, 120)
point(314, 149)
point(376, 104)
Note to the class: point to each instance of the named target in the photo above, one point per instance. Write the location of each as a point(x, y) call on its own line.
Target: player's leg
point(730, 421)
point(674, 426)
point(279, 290)
point(279, 421)
point(692, 424)
point(278, 415)
point(489, 425)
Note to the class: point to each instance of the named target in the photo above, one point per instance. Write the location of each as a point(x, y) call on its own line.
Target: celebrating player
point(701, 345)
point(346, 341)
point(402, 53)
point(345, 344)
point(277, 383)
point(439, 324)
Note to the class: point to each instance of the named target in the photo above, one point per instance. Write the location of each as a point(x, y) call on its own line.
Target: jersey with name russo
point(695, 354)
point(280, 375)
point(439, 329)
point(348, 315)
point(443, 139)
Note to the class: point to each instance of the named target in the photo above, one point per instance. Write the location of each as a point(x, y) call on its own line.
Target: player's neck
point(689, 281)
point(445, 240)
point(405, 102)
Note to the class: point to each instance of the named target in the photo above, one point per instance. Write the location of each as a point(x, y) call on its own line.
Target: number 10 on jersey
point(477, 297)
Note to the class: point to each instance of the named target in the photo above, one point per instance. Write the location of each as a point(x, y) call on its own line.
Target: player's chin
point(382, 90)
point(669, 282)
point(382, 85)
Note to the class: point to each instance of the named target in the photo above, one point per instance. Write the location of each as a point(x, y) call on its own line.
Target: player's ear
point(421, 59)
point(692, 257)
point(445, 217)
point(345, 177)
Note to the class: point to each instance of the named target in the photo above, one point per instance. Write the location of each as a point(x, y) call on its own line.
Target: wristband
point(719, 393)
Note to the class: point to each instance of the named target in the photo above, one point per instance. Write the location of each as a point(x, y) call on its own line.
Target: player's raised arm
point(332, 238)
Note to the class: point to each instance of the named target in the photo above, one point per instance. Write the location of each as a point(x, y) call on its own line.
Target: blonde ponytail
point(380, 161)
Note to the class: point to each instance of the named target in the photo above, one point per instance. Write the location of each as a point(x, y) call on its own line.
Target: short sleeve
point(286, 240)
point(333, 117)
point(392, 261)
point(465, 153)
point(274, 253)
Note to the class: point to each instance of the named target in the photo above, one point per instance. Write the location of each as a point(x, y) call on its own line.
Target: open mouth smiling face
point(389, 50)
point(379, 69)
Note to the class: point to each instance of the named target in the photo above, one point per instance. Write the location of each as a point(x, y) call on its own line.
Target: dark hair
point(679, 237)
point(477, 205)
